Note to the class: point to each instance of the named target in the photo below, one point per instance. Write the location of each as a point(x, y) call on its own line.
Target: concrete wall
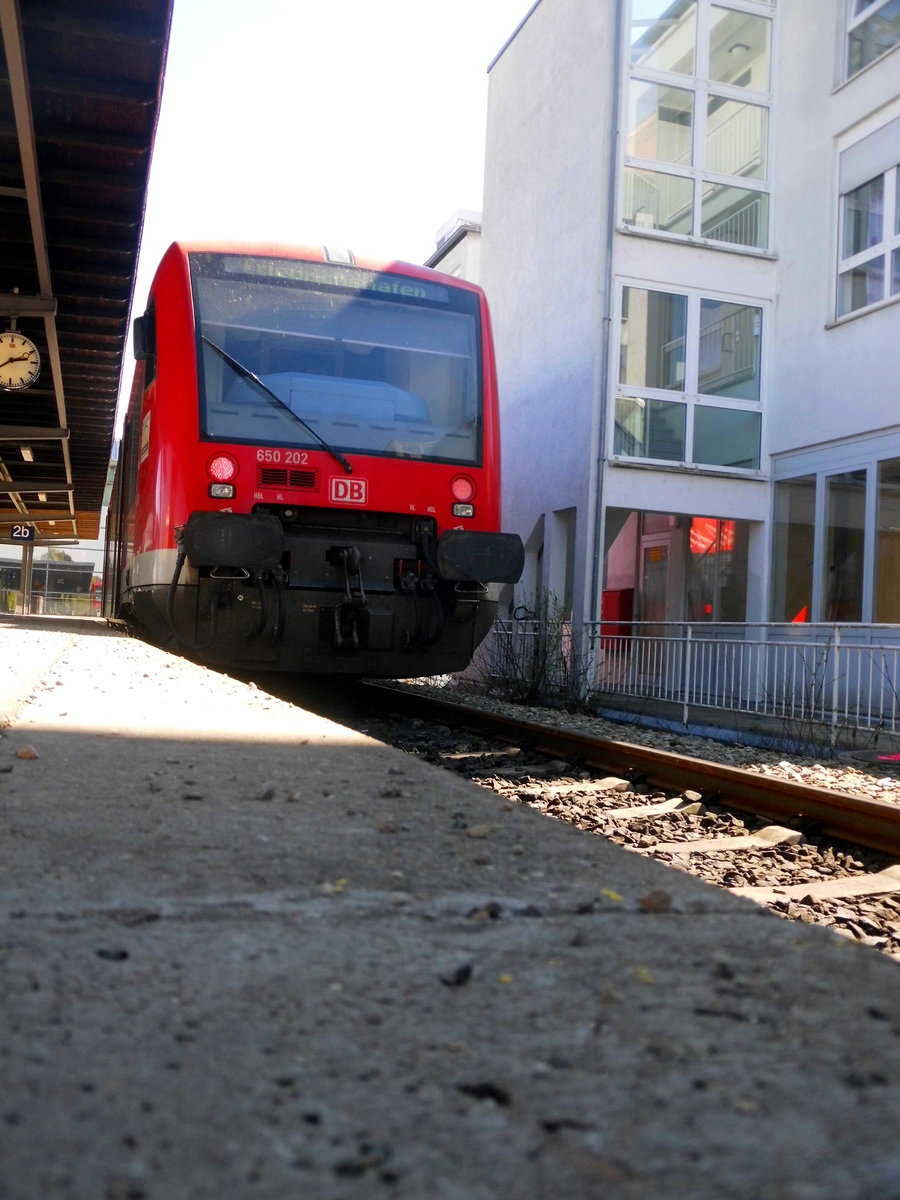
point(543, 262)
point(828, 380)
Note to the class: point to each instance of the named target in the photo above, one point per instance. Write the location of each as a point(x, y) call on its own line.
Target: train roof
point(320, 253)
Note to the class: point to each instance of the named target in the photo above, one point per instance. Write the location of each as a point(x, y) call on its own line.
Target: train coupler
point(347, 615)
point(346, 627)
point(350, 559)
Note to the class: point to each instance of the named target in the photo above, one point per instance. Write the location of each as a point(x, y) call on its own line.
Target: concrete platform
point(248, 953)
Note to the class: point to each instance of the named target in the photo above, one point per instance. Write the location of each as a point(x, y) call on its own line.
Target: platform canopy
point(80, 84)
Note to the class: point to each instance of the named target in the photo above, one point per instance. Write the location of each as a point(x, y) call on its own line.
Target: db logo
point(348, 491)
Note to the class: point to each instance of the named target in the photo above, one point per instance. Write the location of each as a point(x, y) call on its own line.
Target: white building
point(692, 255)
point(458, 246)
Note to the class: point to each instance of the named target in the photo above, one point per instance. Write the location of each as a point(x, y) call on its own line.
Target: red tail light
point(462, 488)
point(222, 468)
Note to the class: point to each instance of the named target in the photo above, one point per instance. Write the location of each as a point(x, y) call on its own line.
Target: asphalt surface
point(249, 953)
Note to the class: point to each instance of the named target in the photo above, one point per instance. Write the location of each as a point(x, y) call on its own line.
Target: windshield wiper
point(276, 400)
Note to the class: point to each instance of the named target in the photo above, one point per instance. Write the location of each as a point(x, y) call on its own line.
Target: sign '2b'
point(348, 491)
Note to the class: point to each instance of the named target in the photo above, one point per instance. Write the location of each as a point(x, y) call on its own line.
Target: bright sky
point(358, 123)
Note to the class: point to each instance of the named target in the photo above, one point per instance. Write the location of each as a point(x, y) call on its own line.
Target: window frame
point(887, 248)
point(688, 394)
point(855, 20)
point(843, 458)
point(704, 91)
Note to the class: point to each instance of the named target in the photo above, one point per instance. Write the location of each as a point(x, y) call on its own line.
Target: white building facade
point(692, 255)
point(458, 246)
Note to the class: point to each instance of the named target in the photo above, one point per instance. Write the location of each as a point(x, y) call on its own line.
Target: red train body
point(309, 477)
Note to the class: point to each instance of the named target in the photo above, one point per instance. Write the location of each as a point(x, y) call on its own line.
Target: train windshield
point(370, 363)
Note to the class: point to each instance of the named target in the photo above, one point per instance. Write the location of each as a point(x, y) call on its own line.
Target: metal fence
point(838, 677)
point(58, 604)
point(58, 587)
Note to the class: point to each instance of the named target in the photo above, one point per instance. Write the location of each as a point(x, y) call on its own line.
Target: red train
point(309, 477)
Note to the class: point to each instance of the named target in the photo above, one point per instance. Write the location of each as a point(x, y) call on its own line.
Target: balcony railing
point(830, 678)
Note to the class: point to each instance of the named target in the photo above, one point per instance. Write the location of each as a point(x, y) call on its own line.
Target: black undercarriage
point(319, 591)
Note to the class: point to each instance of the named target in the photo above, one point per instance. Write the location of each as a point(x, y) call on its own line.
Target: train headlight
point(221, 491)
point(464, 510)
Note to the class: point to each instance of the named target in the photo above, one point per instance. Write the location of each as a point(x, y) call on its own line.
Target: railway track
point(806, 852)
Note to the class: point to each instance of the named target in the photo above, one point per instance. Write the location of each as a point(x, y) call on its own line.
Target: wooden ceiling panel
point(80, 85)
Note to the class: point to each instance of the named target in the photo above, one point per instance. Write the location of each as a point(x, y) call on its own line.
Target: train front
point(341, 513)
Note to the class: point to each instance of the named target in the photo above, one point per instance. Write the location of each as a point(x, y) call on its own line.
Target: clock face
point(20, 363)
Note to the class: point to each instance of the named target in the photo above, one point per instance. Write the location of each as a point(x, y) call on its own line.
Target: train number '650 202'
point(290, 458)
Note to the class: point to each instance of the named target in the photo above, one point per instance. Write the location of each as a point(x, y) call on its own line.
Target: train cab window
point(379, 364)
point(143, 336)
point(130, 452)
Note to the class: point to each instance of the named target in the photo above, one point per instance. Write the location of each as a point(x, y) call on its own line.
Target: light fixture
point(462, 488)
point(222, 468)
point(739, 48)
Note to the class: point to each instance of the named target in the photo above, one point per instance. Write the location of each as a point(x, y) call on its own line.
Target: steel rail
point(859, 819)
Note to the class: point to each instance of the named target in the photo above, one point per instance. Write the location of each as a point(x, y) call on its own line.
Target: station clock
point(20, 363)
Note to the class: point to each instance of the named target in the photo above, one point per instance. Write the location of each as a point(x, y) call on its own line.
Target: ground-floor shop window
point(676, 567)
point(836, 546)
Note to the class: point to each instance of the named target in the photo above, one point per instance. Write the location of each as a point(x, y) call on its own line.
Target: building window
point(869, 268)
point(708, 352)
point(697, 145)
point(793, 549)
point(845, 498)
point(851, 570)
point(887, 567)
point(716, 570)
point(873, 28)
